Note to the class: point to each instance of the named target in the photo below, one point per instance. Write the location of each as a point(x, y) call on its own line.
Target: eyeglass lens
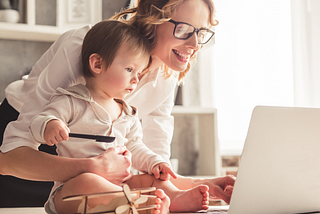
point(185, 31)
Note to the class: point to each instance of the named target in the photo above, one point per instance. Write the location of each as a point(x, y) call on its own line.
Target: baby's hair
point(150, 13)
point(106, 37)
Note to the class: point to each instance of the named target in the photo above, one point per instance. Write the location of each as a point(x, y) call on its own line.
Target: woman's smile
point(182, 56)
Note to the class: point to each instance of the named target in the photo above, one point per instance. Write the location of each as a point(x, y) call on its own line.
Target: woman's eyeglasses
point(184, 31)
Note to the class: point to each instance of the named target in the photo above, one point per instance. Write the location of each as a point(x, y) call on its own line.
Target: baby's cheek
point(119, 82)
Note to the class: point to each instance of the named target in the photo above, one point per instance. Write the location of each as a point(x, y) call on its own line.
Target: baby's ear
point(95, 62)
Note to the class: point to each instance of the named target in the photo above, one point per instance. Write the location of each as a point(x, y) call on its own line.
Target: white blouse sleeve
point(60, 66)
point(158, 128)
point(143, 159)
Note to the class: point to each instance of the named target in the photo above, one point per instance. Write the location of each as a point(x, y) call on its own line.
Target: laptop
point(279, 169)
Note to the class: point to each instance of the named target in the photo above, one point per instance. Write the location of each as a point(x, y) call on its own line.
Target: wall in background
point(18, 57)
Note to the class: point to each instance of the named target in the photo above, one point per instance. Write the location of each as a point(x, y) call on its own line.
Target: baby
point(114, 58)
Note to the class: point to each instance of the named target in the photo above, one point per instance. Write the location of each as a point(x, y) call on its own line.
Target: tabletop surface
point(27, 210)
point(40, 210)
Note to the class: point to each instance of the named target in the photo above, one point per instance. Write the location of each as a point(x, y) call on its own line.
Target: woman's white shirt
point(60, 66)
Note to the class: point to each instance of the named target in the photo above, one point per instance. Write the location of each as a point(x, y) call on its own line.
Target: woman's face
point(173, 52)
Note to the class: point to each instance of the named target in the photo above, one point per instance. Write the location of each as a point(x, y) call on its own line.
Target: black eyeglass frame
point(190, 34)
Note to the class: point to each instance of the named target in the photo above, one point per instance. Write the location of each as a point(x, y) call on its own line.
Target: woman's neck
point(156, 62)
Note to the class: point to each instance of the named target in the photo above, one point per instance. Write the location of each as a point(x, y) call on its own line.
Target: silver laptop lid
point(279, 169)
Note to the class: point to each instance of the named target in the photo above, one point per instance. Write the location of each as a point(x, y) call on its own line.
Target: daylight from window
point(253, 64)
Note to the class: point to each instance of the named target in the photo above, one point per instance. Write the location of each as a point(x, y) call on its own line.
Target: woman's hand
point(114, 165)
point(55, 132)
point(221, 187)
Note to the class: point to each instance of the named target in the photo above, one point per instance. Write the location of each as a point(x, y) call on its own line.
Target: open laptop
point(279, 169)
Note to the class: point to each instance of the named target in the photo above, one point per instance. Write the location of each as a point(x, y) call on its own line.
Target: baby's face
point(122, 76)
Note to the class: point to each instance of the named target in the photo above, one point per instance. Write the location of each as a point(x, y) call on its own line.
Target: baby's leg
point(86, 183)
point(191, 200)
point(89, 183)
point(162, 200)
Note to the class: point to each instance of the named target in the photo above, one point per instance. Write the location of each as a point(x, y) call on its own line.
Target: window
point(253, 64)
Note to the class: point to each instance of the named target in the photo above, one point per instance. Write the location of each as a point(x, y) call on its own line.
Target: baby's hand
point(55, 132)
point(162, 171)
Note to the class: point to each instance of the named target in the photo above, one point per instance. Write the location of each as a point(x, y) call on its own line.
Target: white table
point(40, 210)
point(35, 210)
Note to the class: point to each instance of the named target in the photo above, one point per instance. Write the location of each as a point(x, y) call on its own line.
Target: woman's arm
point(24, 162)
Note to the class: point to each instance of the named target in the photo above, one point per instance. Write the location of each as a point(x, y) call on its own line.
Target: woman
point(164, 23)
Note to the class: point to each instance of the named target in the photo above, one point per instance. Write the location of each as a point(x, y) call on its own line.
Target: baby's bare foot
point(162, 201)
point(191, 200)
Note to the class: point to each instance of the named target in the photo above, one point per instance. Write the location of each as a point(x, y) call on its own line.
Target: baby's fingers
point(51, 142)
point(64, 134)
point(168, 171)
point(171, 172)
point(156, 172)
point(164, 176)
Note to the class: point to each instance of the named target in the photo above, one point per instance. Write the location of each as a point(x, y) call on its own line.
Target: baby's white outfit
point(76, 108)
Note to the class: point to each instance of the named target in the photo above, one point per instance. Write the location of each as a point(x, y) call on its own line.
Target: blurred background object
point(9, 11)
